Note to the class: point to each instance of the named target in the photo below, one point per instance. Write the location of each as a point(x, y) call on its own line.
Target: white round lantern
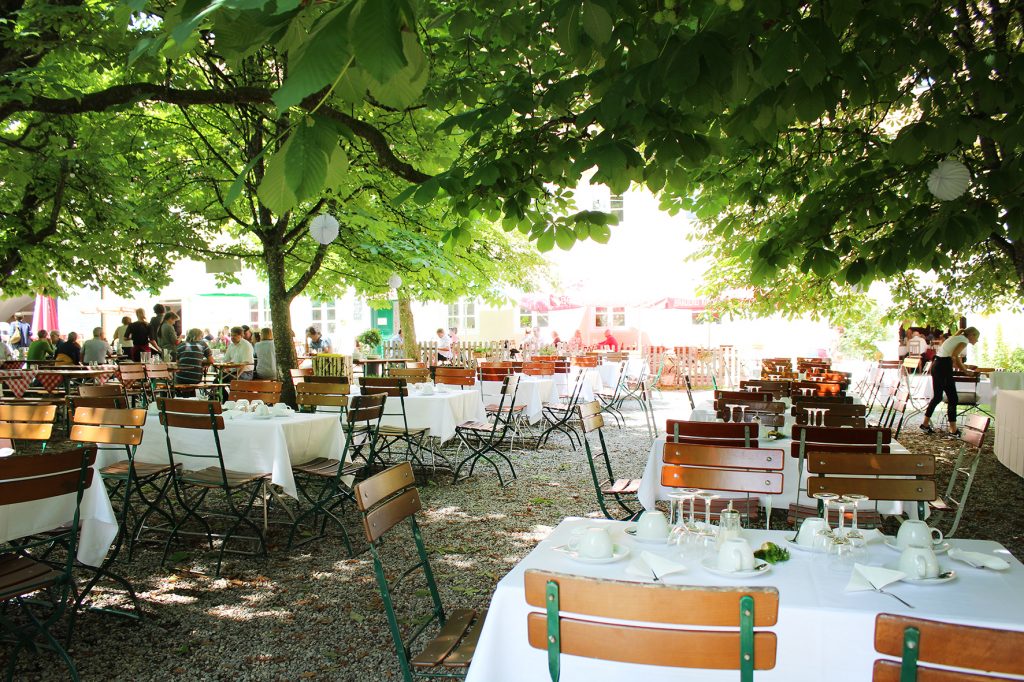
point(949, 180)
point(324, 228)
point(394, 281)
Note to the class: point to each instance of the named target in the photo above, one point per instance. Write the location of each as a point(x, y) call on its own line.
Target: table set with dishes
point(533, 392)
point(832, 583)
point(437, 408)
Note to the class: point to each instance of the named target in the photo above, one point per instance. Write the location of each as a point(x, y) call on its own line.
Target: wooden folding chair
point(133, 382)
point(754, 471)
point(299, 374)
point(413, 439)
point(107, 390)
point(958, 653)
point(455, 376)
point(750, 396)
point(778, 389)
point(33, 478)
point(27, 423)
point(733, 434)
point(321, 481)
point(484, 438)
point(385, 500)
point(192, 487)
point(420, 375)
point(311, 396)
point(538, 369)
point(562, 415)
point(732, 613)
point(972, 438)
point(609, 489)
point(159, 381)
point(267, 390)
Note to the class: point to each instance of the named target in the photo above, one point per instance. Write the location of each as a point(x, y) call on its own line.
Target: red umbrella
point(44, 315)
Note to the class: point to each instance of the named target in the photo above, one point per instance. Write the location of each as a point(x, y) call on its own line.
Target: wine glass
point(823, 538)
point(676, 517)
point(691, 495)
point(708, 529)
point(854, 534)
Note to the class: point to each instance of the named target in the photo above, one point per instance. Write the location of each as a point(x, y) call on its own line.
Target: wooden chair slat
point(108, 417)
point(710, 429)
point(962, 646)
point(192, 421)
point(870, 464)
point(463, 654)
point(384, 516)
point(40, 465)
point(730, 480)
point(653, 646)
point(443, 644)
point(109, 435)
point(322, 388)
point(101, 390)
point(768, 459)
point(853, 436)
point(383, 485)
point(874, 488)
point(189, 406)
point(794, 448)
point(28, 413)
point(321, 400)
point(28, 490)
point(25, 431)
point(889, 671)
point(670, 604)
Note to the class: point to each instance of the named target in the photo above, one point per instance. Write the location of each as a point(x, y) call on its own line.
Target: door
point(383, 320)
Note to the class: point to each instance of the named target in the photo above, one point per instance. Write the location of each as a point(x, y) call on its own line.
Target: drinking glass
point(691, 495)
point(707, 532)
point(854, 534)
point(676, 536)
point(823, 538)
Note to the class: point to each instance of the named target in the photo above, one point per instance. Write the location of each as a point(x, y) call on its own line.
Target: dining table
point(439, 411)
point(1009, 445)
point(250, 444)
point(97, 520)
point(825, 630)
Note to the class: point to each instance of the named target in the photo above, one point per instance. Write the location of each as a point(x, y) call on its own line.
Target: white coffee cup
point(652, 526)
point(242, 404)
point(427, 389)
point(262, 410)
point(281, 408)
point(915, 533)
point(230, 405)
point(735, 555)
point(596, 543)
point(256, 403)
point(808, 529)
point(919, 562)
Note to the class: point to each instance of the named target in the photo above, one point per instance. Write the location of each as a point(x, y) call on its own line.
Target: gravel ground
point(316, 614)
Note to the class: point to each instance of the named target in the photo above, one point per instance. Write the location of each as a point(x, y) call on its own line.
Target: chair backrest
point(157, 370)
point(778, 389)
point(859, 472)
point(264, 389)
point(733, 612)
point(844, 409)
point(108, 402)
point(755, 405)
point(27, 422)
point(822, 399)
point(455, 376)
point(418, 375)
point(980, 653)
point(203, 415)
point(710, 433)
point(830, 419)
point(108, 426)
point(974, 429)
point(325, 379)
point(300, 373)
point(758, 396)
point(585, 361)
point(131, 373)
point(101, 390)
point(732, 469)
point(538, 369)
point(867, 437)
point(322, 394)
point(393, 387)
point(590, 415)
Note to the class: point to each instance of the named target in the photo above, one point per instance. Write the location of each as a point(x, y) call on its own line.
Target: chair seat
point(211, 477)
point(474, 426)
point(20, 575)
point(327, 468)
point(623, 486)
point(454, 645)
point(399, 431)
point(497, 408)
point(142, 469)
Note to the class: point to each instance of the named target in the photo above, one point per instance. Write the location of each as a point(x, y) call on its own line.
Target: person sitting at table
point(444, 346)
point(555, 340)
point(609, 341)
point(96, 348)
point(138, 334)
point(69, 352)
point(194, 355)
point(316, 342)
point(41, 348)
point(266, 360)
point(167, 337)
point(239, 351)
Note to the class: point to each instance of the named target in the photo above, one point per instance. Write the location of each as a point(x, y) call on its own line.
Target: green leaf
point(307, 159)
point(377, 39)
point(597, 22)
point(274, 191)
point(564, 237)
point(600, 233)
point(406, 86)
point(337, 169)
point(318, 60)
point(546, 241)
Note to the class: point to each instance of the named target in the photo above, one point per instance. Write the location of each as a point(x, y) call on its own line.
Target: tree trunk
point(280, 318)
point(408, 326)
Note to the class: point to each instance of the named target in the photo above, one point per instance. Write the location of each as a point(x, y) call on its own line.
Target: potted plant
point(369, 341)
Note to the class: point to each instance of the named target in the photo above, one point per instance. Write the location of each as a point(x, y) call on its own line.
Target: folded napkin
point(6, 452)
point(872, 578)
point(648, 565)
point(979, 559)
point(873, 535)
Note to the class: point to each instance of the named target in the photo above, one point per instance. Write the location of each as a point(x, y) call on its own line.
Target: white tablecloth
point(533, 392)
point(249, 445)
point(921, 387)
point(1001, 381)
point(1009, 445)
point(824, 633)
point(99, 525)
point(652, 490)
point(440, 412)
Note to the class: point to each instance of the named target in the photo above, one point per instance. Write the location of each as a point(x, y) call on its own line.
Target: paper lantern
point(949, 180)
point(394, 281)
point(324, 228)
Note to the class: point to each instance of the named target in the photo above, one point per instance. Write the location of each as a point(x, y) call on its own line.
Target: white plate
point(802, 548)
point(619, 552)
point(710, 564)
point(263, 416)
point(924, 581)
point(631, 532)
point(940, 548)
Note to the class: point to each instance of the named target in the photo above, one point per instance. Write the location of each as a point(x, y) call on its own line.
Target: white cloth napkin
point(873, 535)
point(872, 578)
point(979, 559)
point(643, 565)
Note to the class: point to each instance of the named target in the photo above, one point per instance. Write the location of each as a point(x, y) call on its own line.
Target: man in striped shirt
point(193, 357)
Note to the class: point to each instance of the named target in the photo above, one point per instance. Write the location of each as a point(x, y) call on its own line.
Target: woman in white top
point(947, 358)
point(266, 360)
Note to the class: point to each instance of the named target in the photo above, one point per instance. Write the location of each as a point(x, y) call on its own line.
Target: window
point(453, 315)
point(357, 309)
point(259, 312)
point(325, 317)
point(529, 320)
point(617, 207)
point(610, 316)
point(469, 315)
point(462, 315)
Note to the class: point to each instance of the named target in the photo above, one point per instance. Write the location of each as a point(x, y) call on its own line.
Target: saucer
point(631, 532)
point(924, 581)
point(263, 416)
point(801, 548)
point(710, 564)
point(619, 552)
point(940, 548)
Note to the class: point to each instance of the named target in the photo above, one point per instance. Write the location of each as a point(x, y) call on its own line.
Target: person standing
point(121, 342)
point(947, 359)
point(21, 334)
point(96, 348)
point(266, 360)
point(156, 320)
point(610, 341)
point(167, 336)
point(239, 352)
point(138, 334)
